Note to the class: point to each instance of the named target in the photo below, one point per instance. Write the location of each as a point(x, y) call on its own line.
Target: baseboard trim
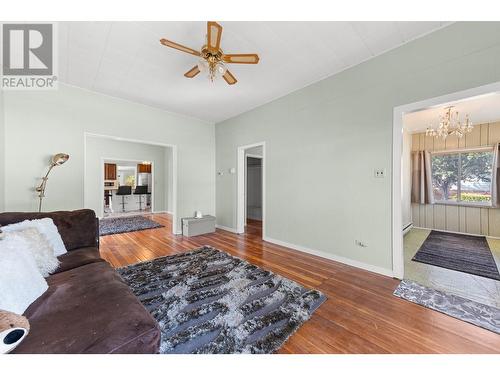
point(227, 229)
point(336, 258)
point(322, 254)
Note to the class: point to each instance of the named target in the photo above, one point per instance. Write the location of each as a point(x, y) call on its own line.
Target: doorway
point(128, 187)
point(398, 162)
point(253, 194)
point(445, 235)
point(155, 170)
point(251, 189)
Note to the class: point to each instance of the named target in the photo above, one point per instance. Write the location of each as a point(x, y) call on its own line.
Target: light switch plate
point(380, 173)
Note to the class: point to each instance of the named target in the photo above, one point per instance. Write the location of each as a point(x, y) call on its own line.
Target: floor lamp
point(57, 159)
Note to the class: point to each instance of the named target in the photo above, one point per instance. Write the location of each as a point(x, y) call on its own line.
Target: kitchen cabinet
point(110, 171)
point(143, 168)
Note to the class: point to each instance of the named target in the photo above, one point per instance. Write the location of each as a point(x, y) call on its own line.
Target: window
point(462, 177)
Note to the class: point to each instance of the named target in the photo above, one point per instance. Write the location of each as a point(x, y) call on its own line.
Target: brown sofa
point(87, 308)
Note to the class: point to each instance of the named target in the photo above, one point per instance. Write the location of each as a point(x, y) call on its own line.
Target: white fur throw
point(40, 248)
point(45, 226)
point(21, 283)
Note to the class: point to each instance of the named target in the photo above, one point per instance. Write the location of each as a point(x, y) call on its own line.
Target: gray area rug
point(114, 225)
point(476, 313)
point(459, 252)
point(207, 301)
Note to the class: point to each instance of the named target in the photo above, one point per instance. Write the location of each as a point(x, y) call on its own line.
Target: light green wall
point(338, 131)
point(98, 148)
point(40, 123)
point(2, 153)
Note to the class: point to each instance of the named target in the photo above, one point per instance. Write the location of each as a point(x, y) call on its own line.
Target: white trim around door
point(241, 184)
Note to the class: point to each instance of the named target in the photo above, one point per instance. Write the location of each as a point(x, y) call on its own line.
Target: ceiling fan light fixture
point(213, 60)
point(221, 68)
point(203, 65)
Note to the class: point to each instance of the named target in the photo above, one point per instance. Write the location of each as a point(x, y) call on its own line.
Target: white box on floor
point(192, 226)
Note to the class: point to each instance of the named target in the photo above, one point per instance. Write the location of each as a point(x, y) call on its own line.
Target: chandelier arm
point(450, 124)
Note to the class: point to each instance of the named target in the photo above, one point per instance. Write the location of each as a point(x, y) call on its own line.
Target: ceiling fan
point(212, 60)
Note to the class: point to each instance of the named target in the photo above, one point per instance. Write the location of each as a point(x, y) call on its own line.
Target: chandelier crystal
point(450, 124)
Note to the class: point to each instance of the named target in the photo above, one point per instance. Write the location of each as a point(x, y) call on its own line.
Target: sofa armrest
point(78, 228)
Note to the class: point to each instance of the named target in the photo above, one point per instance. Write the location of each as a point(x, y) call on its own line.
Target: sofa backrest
point(78, 228)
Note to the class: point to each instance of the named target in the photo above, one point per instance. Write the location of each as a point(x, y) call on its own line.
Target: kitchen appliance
point(145, 179)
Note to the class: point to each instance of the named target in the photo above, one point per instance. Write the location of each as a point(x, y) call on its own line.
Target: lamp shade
point(59, 159)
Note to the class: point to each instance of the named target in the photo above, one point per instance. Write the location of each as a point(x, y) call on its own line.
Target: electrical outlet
point(380, 173)
point(360, 243)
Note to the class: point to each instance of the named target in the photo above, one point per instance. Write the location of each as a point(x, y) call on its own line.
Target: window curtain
point(495, 182)
point(421, 182)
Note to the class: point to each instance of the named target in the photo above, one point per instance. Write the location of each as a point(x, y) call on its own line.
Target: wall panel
point(474, 220)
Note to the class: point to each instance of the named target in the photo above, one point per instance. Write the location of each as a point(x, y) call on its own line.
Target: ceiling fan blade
point(214, 34)
point(179, 47)
point(242, 58)
point(229, 78)
point(193, 72)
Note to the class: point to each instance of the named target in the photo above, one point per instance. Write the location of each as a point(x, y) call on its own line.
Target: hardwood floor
point(254, 227)
point(360, 316)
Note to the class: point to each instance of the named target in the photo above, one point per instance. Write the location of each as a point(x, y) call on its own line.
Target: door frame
point(175, 225)
point(241, 188)
point(397, 154)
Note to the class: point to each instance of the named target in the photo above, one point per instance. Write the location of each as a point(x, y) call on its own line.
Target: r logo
point(27, 49)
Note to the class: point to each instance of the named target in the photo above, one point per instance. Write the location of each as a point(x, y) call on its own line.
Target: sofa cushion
point(89, 309)
point(77, 228)
point(77, 258)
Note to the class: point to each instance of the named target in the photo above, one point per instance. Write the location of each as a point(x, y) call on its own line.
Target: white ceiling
point(482, 109)
point(126, 60)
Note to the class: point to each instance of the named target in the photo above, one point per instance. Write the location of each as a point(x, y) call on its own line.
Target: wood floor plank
point(360, 316)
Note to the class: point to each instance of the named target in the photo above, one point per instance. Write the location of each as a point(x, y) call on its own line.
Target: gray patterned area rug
point(476, 313)
point(114, 225)
point(207, 301)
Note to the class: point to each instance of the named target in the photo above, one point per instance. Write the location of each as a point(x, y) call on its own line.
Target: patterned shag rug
point(207, 301)
point(476, 313)
point(114, 225)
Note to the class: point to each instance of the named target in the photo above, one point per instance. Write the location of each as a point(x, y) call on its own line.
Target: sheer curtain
point(421, 182)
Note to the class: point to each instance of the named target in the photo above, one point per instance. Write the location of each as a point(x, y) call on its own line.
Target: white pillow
point(21, 283)
point(45, 226)
point(40, 249)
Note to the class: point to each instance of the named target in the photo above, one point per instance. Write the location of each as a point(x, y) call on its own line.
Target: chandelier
point(450, 124)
